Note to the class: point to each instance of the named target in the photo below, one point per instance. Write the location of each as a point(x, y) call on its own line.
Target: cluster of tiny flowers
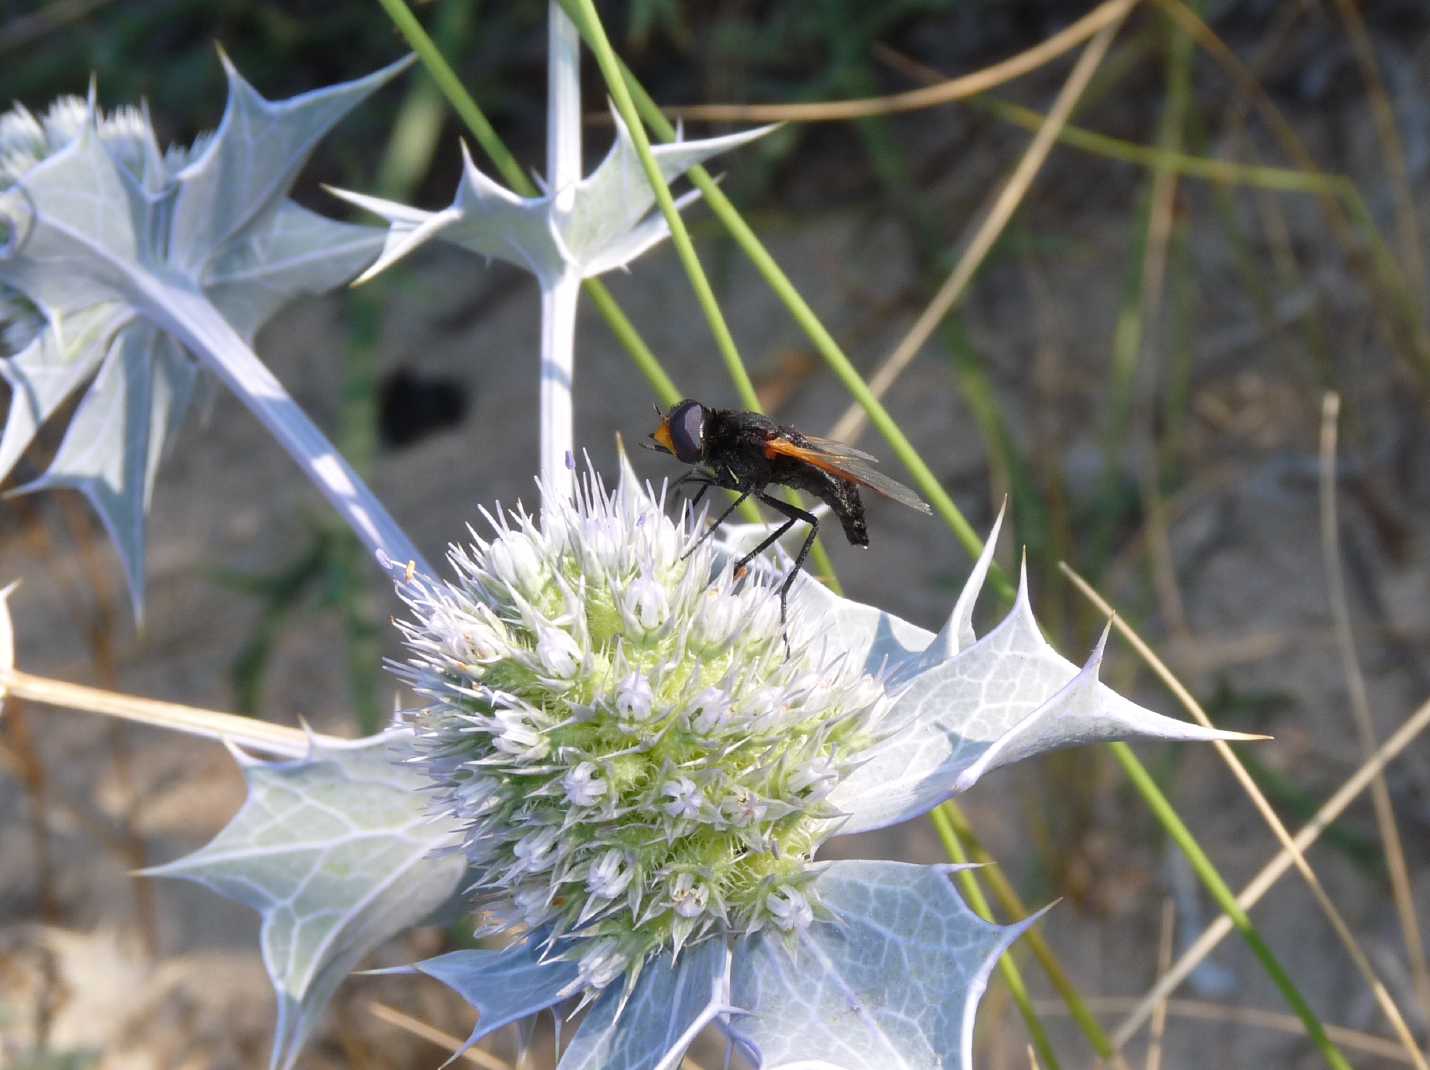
point(27, 139)
point(635, 758)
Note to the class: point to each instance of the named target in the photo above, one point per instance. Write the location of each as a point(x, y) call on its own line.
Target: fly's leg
point(792, 513)
point(694, 476)
point(744, 493)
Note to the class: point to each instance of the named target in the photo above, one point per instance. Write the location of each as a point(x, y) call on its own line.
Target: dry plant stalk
point(192, 720)
point(418, 1028)
point(1400, 888)
point(1099, 18)
point(1164, 961)
point(1206, 1011)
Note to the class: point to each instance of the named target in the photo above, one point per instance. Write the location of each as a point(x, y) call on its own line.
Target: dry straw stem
point(1202, 1010)
point(1292, 852)
point(854, 420)
point(1290, 847)
point(1164, 960)
point(209, 724)
point(968, 85)
point(446, 1041)
point(1401, 890)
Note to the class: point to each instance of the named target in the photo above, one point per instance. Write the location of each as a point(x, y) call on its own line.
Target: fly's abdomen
point(843, 498)
point(840, 495)
point(851, 515)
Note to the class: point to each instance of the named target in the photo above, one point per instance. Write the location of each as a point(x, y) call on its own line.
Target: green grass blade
point(457, 95)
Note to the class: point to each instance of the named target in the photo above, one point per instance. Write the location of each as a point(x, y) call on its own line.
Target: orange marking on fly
point(662, 435)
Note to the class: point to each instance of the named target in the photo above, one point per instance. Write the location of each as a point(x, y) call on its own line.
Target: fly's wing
point(846, 466)
point(834, 448)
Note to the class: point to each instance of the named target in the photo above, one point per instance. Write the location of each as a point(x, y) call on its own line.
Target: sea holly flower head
point(653, 764)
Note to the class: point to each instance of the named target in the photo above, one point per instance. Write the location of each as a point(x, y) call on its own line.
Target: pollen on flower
point(637, 761)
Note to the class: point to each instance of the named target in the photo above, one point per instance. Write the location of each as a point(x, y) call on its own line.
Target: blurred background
point(1230, 225)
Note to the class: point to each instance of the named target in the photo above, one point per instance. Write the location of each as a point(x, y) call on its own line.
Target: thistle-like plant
point(135, 269)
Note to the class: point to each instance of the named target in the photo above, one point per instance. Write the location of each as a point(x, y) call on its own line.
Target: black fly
point(746, 452)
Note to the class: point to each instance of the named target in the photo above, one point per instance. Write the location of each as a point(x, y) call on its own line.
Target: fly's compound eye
point(687, 431)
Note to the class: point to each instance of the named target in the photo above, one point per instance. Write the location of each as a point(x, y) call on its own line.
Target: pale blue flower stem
point(559, 295)
point(190, 317)
point(558, 351)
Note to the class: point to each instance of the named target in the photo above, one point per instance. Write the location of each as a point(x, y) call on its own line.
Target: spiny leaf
point(104, 227)
point(503, 986)
point(289, 252)
point(590, 228)
point(112, 448)
point(335, 851)
point(49, 370)
point(669, 1006)
point(246, 169)
point(966, 706)
point(894, 982)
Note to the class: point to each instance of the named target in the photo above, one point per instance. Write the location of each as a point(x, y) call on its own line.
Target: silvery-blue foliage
point(871, 963)
point(121, 263)
point(337, 853)
point(602, 222)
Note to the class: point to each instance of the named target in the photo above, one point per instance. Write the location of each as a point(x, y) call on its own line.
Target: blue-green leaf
point(336, 852)
point(102, 230)
point(588, 229)
point(49, 370)
point(288, 253)
point(1007, 697)
point(892, 983)
point(503, 986)
point(112, 448)
point(651, 1029)
point(246, 169)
